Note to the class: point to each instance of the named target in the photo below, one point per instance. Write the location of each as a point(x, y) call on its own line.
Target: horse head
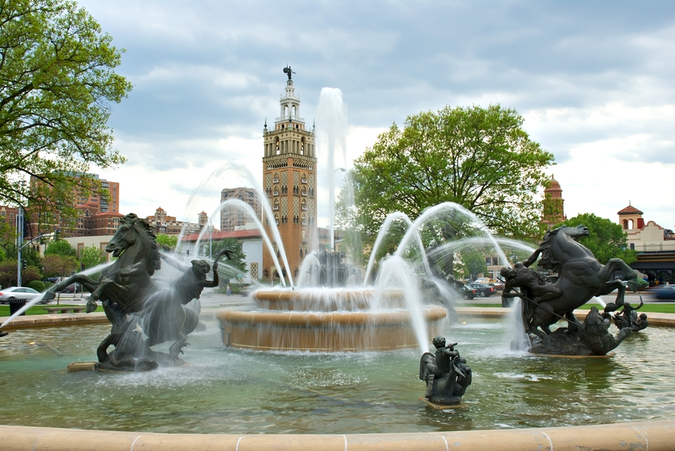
point(125, 236)
point(135, 232)
point(575, 232)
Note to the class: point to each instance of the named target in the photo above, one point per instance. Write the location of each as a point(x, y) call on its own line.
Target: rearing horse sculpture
point(123, 287)
point(134, 302)
point(580, 277)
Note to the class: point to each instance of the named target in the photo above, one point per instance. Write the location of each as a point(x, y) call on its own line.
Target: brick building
point(290, 181)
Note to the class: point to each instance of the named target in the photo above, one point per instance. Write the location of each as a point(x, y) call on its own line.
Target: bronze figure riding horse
point(580, 277)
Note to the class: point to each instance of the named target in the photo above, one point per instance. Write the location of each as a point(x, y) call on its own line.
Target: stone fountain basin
point(343, 331)
point(649, 400)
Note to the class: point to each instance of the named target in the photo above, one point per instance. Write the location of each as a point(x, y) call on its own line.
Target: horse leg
point(620, 295)
point(616, 263)
point(102, 350)
point(177, 348)
point(89, 283)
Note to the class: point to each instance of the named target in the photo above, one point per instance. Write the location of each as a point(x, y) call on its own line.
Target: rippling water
point(228, 391)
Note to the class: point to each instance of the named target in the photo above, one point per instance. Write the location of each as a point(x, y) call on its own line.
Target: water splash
point(36, 300)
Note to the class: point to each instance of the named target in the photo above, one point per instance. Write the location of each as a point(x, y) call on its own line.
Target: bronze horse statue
point(133, 301)
point(580, 277)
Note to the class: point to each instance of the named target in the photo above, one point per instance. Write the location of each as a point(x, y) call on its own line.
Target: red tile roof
point(629, 210)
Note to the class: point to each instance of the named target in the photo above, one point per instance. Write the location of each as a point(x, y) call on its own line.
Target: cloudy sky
point(593, 80)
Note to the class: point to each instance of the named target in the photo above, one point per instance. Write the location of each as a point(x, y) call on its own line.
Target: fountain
point(227, 398)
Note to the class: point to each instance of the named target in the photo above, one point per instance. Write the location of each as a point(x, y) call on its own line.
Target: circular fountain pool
point(245, 392)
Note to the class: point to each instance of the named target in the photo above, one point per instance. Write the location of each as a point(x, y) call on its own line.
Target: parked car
point(11, 294)
point(482, 289)
point(72, 288)
point(664, 292)
point(498, 286)
point(467, 292)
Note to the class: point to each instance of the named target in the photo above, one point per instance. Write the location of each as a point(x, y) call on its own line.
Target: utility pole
point(19, 244)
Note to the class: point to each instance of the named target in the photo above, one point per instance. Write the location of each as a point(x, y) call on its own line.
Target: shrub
point(36, 285)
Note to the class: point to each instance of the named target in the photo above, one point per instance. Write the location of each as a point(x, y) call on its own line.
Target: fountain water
point(226, 391)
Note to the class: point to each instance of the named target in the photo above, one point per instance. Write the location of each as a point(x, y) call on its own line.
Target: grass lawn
point(654, 308)
point(38, 310)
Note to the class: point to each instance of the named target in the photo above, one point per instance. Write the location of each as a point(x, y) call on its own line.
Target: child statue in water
point(446, 374)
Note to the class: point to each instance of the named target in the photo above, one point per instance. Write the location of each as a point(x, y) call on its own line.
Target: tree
point(59, 265)
point(60, 247)
point(91, 256)
point(57, 85)
point(8, 273)
point(606, 238)
point(169, 241)
point(228, 269)
point(480, 158)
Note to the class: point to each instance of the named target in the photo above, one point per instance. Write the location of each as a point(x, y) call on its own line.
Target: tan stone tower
point(554, 204)
point(289, 179)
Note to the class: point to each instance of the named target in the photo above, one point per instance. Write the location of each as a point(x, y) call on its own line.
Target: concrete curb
point(652, 436)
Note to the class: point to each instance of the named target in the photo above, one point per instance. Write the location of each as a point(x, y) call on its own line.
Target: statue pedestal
point(443, 406)
point(82, 366)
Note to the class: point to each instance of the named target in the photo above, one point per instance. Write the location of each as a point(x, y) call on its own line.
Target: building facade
point(554, 204)
point(233, 218)
point(251, 245)
point(99, 212)
point(654, 245)
point(162, 223)
point(290, 182)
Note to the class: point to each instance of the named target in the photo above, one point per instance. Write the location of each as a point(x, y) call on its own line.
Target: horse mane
point(144, 227)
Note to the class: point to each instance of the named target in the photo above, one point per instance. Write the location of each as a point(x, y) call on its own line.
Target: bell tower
point(289, 179)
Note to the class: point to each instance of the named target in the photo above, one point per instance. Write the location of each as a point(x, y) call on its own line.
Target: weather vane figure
point(288, 71)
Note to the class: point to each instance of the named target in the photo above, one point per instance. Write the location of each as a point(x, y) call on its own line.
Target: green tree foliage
point(8, 273)
point(169, 241)
point(480, 158)
point(57, 85)
point(59, 265)
point(606, 238)
point(227, 269)
point(469, 265)
point(60, 247)
point(91, 256)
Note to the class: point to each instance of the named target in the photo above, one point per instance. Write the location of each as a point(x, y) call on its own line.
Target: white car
point(10, 294)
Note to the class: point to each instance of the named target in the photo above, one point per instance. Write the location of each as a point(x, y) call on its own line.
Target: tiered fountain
point(228, 399)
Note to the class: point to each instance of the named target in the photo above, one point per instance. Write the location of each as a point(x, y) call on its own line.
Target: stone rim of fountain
point(653, 435)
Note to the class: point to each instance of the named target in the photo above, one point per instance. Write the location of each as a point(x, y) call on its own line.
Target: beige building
point(169, 225)
point(654, 244)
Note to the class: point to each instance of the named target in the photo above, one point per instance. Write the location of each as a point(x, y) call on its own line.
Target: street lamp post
point(19, 266)
point(19, 244)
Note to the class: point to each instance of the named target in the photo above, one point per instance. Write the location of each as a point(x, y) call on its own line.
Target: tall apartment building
point(99, 214)
point(290, 181)
point(233, 218)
